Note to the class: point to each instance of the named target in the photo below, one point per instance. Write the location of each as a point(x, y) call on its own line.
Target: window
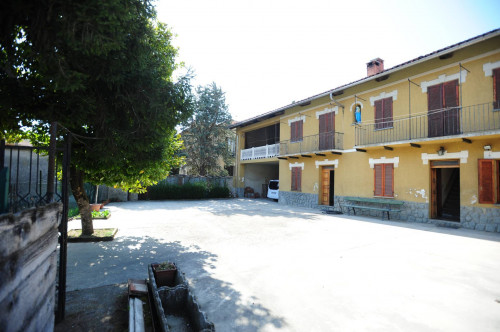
point(383, 113)
point(384, 180)
point(489, 182)
point(296, 128)
point(496, 88)
point(296, 178)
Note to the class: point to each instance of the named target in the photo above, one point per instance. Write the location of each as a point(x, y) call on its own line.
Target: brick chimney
point(374, 66)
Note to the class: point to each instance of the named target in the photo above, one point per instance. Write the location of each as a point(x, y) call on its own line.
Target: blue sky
point(266, 54)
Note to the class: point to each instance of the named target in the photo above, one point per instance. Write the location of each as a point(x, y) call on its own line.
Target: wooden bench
point(386, 205)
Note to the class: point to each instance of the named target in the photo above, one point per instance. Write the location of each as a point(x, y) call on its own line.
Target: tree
point(206, 134)
point(103, 71)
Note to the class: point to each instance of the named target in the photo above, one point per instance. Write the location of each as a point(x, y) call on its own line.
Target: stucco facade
point(428, 123)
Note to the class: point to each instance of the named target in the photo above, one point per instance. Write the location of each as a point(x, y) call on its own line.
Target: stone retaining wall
point(28, 265)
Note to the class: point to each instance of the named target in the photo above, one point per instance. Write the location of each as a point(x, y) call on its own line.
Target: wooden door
point(435, 193)
point(327, 178)
point(325, 187)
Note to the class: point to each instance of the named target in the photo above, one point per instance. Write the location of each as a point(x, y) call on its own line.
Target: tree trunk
point(82, 200)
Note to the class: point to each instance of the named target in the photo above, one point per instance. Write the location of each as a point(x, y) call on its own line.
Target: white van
point(273, 189)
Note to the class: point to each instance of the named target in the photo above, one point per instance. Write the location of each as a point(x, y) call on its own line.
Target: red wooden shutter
point(435, 117)
point(322, 123)
point(300, 126)
point(293, 130)
point(378, 180)
point(299, 178)
point(496, 88)
point(379, 114)
point(434, 97)
point(293, 179)
point(486, 190)
point(387, 106)
point(450, 92)
point(389, 180)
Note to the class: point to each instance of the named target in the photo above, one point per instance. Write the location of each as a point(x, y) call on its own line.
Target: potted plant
point(164, 273)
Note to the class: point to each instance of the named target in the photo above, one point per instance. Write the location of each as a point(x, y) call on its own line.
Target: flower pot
point(95, 207)
point(164, 277)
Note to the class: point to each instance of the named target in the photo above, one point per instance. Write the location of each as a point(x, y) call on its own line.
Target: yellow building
point(425, 133)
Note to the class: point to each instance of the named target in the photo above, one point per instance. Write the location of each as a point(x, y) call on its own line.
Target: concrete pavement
point(256, 265)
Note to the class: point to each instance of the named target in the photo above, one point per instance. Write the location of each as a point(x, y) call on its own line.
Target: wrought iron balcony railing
point(314, 143)
point(260, 152)
point(453, 121)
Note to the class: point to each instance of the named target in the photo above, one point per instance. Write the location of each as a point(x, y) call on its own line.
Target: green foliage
point(196, 190)
point(206, 134)
point(219, 192)
point(101, 69)
point(165, 266)
point(101, 214)
point(73, 212)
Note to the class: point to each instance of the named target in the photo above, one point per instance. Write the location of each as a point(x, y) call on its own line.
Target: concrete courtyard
point(256, 265)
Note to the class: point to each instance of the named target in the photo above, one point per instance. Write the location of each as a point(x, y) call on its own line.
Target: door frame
point(435, 185)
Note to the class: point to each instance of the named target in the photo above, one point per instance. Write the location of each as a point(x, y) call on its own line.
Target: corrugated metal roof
point(421, 58)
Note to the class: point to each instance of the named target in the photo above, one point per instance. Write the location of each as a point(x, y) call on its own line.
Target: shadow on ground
point(93, 265)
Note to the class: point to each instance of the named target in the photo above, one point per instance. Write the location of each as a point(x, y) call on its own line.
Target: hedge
point(197, 190)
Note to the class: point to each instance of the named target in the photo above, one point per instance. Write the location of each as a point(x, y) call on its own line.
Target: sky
point(268, 54)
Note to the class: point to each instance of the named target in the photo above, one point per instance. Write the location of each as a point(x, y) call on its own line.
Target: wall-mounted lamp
point(441, 151)
point(487, 148)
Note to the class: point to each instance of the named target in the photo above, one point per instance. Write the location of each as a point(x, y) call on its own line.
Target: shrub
point(196, 190)
point(219, 192)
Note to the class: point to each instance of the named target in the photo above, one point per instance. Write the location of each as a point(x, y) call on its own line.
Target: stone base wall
point(298, 199)
point(28, 264)
point(481, 219)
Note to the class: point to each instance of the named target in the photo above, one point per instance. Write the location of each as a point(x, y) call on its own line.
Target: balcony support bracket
point(337, 153)
point(466, 140)
point(388, 148)
point(413, 145)
point(306, 156)
point(293, 157)
point(282, 158)
point(320, 154)
point(360, 150)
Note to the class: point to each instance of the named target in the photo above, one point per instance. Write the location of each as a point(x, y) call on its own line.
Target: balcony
point(456, 121)
point(314, 143)
point(260, 152)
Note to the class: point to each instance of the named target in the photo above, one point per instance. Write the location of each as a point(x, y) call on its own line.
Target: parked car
point(273, 190)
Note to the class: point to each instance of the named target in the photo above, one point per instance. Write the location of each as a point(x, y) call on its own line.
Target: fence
point(437, 123)
point(25, 185)
point(314, 143)
point(26, 169)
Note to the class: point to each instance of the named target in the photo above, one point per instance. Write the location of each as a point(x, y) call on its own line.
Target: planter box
point(176, 307)
point(164, 278)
